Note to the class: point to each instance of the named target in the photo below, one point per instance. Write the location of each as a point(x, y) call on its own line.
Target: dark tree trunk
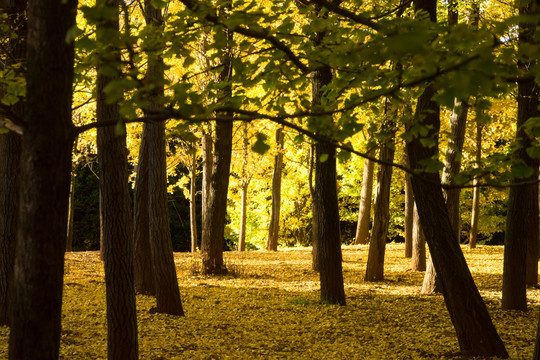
point(213, 242)
point(45, 173)
point(10, 153)
point(418, 258)
point(166, 282)
point(381, 214)
point(364, 213)
point(521, 243)
point(116, 215)
point(276, 193)
point(475, 332)
point(207, 164)
point(143, 266)
point(10, 162)
point(409, 212)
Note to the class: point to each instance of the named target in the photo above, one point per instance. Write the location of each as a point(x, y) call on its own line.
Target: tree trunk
point(192, 203)
point(166, 282)
point(10, 163)
point(475, 332)
point(245, 185)
point(276, 193)
point(418, 262)
point(521, 242)
point(69, 242)
point(364, 213)
point(116, 213)
point(207, 164)
point(409, 211)
point(314, 214)
point(45, 173)
point(475, 212)
point(143, 265)
point(381, 214)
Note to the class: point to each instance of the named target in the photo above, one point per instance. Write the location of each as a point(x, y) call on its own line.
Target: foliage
point(270, 310)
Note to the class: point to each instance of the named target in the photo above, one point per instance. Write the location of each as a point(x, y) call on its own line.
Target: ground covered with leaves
point(268, 308)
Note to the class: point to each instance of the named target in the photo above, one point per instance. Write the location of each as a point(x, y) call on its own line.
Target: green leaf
point(323, 157)
point(260, 146)
point(534, 152)
point(522, 171)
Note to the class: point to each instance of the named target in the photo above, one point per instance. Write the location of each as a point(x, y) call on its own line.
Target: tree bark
point(418, 262)
point(166, 282)
point(10, 163)
point(115, 212)
point(276, 193)
point(381, 214)
point(364, 213)
point(45, 173)
point(207, 164)
point(409, 212)
point(192, 203)
point(475, 212)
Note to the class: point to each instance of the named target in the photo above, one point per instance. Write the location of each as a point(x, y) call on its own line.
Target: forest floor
point(268, 308)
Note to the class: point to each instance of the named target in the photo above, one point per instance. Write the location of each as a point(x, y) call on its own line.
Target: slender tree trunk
point(419, 245)
point(276, 193)
point(475, 212)
point(45, 164)
point(409, 212)
point(381, 215)
point(192, 203)
point(166, 282)
point(116, 213)
point(207, 164)
point(69, 243)
point(362, 228)
point(245, 185)
point(314, 214)
point(143, 265)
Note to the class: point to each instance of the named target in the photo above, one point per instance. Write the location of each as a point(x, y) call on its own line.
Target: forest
point(330, 158)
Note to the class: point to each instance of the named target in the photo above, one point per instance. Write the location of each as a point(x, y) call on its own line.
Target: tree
point(10, 153)
point(245, 180)
point(117, 226)
point(364, 214)
point(381, 214)
point(192, 197)
point(419, 245)
point(166, 282)
point(475, 213)
point(314, 215)
point(276, 192)
point(45, 173)
point(521, 236)
point(409, 211)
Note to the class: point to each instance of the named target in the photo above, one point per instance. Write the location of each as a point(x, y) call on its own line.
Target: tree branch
point(348, 14)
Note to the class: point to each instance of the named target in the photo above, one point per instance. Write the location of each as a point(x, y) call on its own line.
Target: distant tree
point(364, 213)
point(245, 180)
point(192, 198)
point(314, 215)
point(419, 245)
point(276, 193)
point(45, 164)
point(475, 212)
point(409, 211)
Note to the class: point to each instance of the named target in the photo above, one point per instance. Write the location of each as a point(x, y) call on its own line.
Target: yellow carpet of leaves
point(269, 309)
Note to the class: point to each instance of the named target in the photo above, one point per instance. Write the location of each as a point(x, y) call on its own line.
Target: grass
point(270, 309)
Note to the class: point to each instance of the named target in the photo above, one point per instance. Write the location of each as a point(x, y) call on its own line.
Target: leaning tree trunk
point(276, 193)
point(142, 264)
point(364, 213)
point(475, 331)
point(45, 173)
point(166, 283)
point(115, 210)
point(381, 214)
